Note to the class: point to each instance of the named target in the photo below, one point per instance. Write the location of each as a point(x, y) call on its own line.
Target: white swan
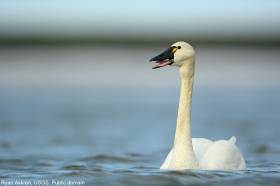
point(188, 152)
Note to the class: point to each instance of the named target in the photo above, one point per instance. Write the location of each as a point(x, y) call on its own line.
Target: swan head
point(176, 55)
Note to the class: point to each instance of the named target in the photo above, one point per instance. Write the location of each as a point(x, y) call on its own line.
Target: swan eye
point(179, 47)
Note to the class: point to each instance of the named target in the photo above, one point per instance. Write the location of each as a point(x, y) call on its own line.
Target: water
point(119, 135)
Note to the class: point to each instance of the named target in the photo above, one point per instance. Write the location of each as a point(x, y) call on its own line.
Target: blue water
point(120, 136)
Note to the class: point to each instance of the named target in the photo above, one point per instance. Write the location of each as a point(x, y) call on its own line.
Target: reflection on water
point(110, 135)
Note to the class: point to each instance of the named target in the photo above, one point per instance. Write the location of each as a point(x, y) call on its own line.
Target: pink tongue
point(162, 64)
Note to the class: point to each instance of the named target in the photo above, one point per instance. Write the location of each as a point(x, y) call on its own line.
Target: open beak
point(165, 58)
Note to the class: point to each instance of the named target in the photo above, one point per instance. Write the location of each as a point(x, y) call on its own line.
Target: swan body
point(218, 155)
point(188, 152)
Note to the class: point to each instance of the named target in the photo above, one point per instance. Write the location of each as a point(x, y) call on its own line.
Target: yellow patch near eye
point(174, 50)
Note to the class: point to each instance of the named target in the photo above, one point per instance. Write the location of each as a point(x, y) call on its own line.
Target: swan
point(188, 152)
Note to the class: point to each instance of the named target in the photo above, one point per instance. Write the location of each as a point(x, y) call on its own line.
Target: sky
point(201, 19)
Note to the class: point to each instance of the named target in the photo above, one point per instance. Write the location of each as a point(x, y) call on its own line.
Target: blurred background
point(79, 98)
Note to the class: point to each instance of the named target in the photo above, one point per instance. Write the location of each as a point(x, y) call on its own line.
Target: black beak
point(165, 58)
point(166, 55)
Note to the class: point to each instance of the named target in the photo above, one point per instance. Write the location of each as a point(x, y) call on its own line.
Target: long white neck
point(183, 154)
